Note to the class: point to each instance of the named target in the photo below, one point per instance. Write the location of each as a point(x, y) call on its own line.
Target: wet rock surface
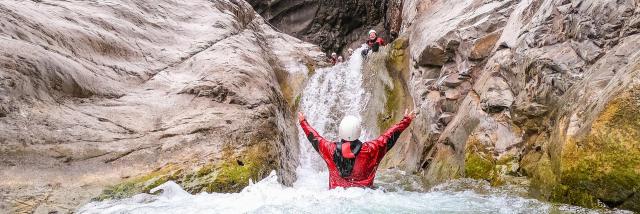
point(541, 93)
point(525, 89)
point(130, 94)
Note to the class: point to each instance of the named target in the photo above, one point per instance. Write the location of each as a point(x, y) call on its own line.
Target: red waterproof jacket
point(353, 164)
point(333, 61)
point(374, 44)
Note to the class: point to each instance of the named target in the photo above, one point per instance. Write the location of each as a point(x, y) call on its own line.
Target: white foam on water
point(330, 94)
point(268, 196)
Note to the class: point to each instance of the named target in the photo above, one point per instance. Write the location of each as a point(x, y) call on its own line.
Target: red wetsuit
point(353, 164)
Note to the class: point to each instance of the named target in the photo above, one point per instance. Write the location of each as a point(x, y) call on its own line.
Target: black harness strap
point(392, 141)
point(313, 141)
point(345, 165)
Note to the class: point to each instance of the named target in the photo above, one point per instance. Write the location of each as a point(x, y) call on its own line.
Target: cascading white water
point(330, 94)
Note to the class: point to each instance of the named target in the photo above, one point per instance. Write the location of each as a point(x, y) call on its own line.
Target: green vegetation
point(230, 175)
point(478, 167)
point(605, 165)
point(445, 167)
point(234, 176)
point(396, 95)
point(392, 109)
point(397, 60)
point(139, 184)
point(296, 103)
point(479, 163)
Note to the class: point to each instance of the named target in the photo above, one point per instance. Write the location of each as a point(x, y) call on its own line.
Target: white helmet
point(372, 31)
point(349, 128)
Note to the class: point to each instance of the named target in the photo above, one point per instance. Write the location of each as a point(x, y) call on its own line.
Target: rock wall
point(386, 74)
point(544, 89)
point(334, 25)
point(129, 94)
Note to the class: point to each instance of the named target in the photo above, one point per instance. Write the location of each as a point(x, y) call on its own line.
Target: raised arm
point(389, 137)
point(318, 143)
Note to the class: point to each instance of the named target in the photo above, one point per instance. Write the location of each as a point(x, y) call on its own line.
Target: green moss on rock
point(230, 175)
point(391, 107)
point(508, 164)
point(479, 163)
point(478, 167)
point(138, 184)
point(397, 98)
point(397, 60)
point(234, 175)
point(543, 179)
point(297, 102)
point(604, 166)
point(536, 164)
point(446, 166)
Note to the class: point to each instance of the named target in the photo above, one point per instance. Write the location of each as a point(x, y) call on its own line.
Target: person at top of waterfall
point(334, 58)
point(340, 59)
point(351, 162)
point(373, 43)
point(350, 52)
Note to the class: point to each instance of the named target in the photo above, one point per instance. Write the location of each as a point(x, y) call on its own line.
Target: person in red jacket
point(351, 162)
point(373, 42)
point(334, 58)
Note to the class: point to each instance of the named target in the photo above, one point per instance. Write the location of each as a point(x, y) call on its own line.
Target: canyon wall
point(542, 89)
point(109, 99)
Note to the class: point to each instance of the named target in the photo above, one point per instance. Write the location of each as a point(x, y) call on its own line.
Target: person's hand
point(300, 116)
point(409, 114)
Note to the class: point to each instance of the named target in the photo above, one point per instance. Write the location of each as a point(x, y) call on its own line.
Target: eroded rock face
point(135, 93)
point(533, 88)
point(334, 25)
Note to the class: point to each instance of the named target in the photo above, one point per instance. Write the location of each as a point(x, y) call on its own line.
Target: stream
point(330, 94)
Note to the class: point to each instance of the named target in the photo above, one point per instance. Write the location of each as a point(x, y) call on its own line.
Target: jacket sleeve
point(317, 141)
point(389, 138)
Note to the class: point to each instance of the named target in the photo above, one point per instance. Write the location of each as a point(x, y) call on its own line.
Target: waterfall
point(330, 94)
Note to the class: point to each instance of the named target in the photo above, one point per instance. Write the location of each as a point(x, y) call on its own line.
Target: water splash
point(330, 94)
point(268, 196)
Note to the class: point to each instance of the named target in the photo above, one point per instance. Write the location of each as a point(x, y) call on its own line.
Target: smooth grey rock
point(95, 92)
point(452, 94)
point(432, 55)
point(445, 118)
point(496, 96)
point(453, 80)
